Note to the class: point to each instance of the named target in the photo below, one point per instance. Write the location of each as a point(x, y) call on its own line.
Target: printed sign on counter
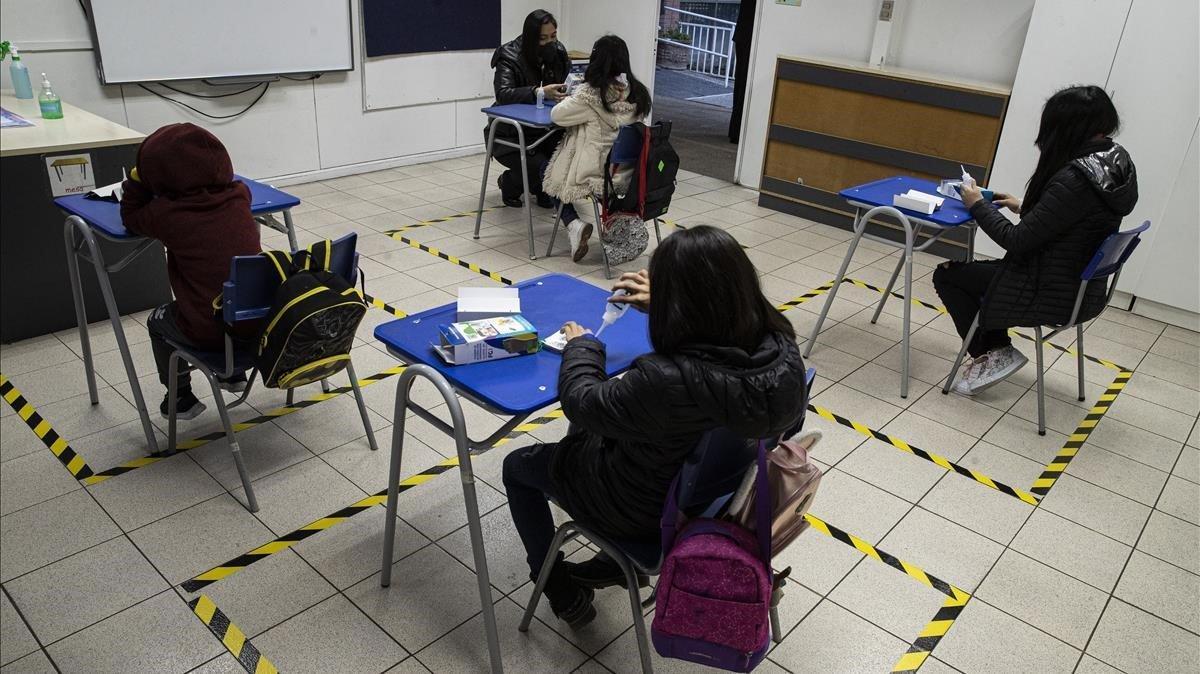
point(70, 174)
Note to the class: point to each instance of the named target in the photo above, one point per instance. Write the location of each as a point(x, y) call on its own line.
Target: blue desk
point(91, 218)
point(519, 116)
point(516, 387)
point(876, 198)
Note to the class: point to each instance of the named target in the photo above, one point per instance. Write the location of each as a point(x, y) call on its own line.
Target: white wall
point(636, 21)
point(973, 39)
point(298, 129)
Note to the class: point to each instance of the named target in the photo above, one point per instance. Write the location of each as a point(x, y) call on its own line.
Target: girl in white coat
point(609, 98)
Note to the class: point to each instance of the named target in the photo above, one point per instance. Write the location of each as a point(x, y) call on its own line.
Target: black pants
point(527, 481)
point(162, 325)
point(962, 286)
point(510, 158)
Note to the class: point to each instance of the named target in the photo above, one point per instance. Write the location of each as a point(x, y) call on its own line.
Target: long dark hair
point(609, 59)
point(1071, 119)
point(706, 291)
point(531, 34)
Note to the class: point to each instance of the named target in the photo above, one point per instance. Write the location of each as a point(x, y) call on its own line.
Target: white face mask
point(623, 80)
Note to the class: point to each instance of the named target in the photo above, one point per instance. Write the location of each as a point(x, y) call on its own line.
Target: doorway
point(695, 80)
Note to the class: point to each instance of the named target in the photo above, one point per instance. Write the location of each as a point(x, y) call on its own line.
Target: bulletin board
point(392, 27)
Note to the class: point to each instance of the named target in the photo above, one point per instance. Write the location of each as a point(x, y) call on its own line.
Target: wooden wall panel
point(916, 127)
point(824, 170)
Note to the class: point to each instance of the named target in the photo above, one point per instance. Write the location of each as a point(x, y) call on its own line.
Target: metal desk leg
point(909, 237)
point(80, 311)
point(487, 165)
point(468, 481)
point(291, 230)
point(525, 182)
point(860, 225)
point(114, 317)
point(892, 282)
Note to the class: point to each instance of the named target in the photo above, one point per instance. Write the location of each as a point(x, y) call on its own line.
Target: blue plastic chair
point(704, 485)
point(248, 295)
point(625, 150)
point(1108, 261)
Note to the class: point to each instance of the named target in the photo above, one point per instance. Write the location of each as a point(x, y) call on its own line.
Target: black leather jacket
point(515, 81)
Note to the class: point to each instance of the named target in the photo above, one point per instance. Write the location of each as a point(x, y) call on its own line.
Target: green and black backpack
point(312, 323)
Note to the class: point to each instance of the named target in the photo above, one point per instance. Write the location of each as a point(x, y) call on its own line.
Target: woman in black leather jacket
point(535, 60)
point(724, 357)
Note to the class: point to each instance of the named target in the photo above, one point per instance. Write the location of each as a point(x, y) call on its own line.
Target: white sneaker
point(579, 232)
point(1001, 364)
point(971, 371)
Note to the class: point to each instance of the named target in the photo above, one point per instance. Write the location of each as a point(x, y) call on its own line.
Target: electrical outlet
point(885, 10)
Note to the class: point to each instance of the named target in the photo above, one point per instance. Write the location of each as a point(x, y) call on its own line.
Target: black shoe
point(510, 201)
point(187, 407)
point(571, 602)
point(600, 572)
point(545, 200)
point(235, 384)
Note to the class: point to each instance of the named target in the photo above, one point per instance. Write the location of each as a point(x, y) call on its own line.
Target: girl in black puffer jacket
point(723, 357)
point(1083, 185)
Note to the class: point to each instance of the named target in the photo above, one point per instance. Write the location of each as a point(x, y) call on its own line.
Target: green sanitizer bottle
point(49, 101)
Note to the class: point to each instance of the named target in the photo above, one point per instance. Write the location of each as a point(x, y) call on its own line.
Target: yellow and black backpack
point(312, 323)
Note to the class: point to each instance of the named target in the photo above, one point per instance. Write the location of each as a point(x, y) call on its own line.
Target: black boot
point(510, 199)
point(545, 200)
point(570, 601)
point(601, 572)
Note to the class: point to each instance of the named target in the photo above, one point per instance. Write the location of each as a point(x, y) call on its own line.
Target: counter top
point(905, 74)
point(78, 129)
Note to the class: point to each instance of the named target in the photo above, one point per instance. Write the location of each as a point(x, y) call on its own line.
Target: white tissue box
point(477, 303)
point(917, 201)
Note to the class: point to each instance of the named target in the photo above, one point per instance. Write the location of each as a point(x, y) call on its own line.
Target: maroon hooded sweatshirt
point(186, 197)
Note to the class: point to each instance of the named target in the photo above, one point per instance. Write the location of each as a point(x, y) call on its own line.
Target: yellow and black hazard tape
point(380, 304)
point(815, 292)
point(379, 498)
point(868, 286)
point(450, 258)
point(940, 461)
point(202, 440)
point(929, 637)
point(1054, 470)
point(57, 445)
point(911, 570)
point(937, 628)
point(231, 636)
point(434, 221)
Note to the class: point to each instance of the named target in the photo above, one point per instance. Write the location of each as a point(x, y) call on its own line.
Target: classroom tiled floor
point(1103, 576)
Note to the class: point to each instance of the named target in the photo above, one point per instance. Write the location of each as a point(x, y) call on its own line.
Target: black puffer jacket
point(631, 435)
point(515, 81)
point(1048, 249)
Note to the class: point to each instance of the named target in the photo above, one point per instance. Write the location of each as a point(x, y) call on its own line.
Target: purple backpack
point(714, 589)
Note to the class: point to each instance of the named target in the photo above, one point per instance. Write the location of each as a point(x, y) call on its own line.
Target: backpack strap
point(763, 506)
point(281, 261)
point(319, 256)
point(642, 168)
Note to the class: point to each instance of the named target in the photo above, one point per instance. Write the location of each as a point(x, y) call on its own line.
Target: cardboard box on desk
point(917, 201)
point(487, 339)
point(478, 303)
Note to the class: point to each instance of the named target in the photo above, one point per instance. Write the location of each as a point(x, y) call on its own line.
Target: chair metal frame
point(231, 315)
point(1095, 270)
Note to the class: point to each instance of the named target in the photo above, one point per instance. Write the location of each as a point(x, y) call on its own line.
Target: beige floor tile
point(887, 598)
point(1181, 499)
point(856, 405)
point(977, 507)
point(1172, 539)
point(1043, 597)
point(832, 639)
point(1097, 508)
point(1073, 549)
point(957, 412)
point(333, 635)
point(856, 506)
point(972, 644)
point(943, 548)
point(892, 470)
point(1117, 473)
point(1162, 589)
point(1160, 646)
point(1150, 449)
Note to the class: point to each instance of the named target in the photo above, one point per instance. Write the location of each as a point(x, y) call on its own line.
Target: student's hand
point(1008, 201)
point(971, 194)
point(554, 92)
point(637, 284)
point(571, 330)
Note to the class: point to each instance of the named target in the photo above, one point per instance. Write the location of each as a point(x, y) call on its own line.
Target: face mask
point(548, 52)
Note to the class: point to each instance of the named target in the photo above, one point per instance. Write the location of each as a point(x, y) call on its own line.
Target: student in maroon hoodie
point(183, 193)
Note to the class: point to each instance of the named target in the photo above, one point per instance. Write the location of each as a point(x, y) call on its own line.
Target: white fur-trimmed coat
point(577, 168)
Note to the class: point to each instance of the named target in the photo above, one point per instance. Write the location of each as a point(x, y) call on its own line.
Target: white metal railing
point(711, 48)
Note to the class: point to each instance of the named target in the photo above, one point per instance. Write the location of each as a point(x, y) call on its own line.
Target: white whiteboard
point(160, 40)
